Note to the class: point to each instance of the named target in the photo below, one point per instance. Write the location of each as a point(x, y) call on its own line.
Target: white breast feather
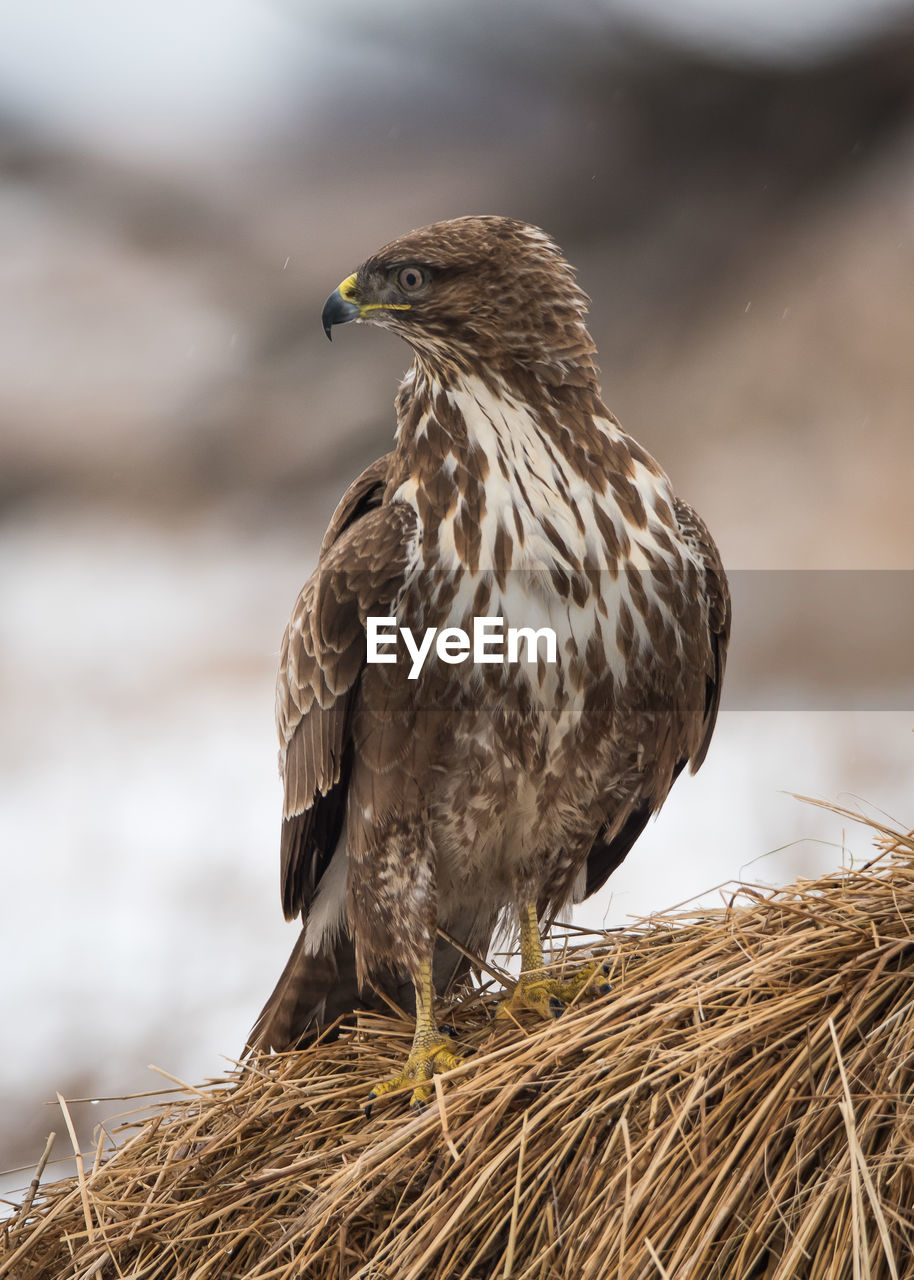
point(501, 423)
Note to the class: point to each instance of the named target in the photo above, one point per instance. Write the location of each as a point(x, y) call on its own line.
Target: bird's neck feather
point(485, 468)
point(480, 420)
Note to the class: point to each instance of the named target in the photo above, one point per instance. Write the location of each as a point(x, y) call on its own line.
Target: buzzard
point(423, 811)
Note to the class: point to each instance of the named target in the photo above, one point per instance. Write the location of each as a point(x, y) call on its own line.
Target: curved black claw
point(556, 1006)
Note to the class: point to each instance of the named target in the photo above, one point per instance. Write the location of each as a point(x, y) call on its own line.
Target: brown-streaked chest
point(543, 522)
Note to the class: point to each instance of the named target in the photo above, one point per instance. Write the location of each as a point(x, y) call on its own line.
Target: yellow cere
point(347, 293)
point(347, 288)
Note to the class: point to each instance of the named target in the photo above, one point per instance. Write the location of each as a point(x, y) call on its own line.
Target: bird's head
point(471, 290)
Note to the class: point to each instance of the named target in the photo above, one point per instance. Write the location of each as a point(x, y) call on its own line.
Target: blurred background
point(180, 188)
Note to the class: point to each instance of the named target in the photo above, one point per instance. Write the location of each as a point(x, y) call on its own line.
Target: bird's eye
point(411, 279)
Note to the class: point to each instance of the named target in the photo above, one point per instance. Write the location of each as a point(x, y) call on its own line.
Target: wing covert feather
point(717, 594)
point(361, 568)
point(609, 852)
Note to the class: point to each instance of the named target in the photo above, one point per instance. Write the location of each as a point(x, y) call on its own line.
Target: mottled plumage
point(479, 791)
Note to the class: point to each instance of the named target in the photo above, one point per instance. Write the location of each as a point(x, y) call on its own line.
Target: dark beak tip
point(337, 310)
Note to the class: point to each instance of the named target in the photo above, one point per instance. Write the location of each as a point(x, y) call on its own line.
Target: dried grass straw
point(740, 1105)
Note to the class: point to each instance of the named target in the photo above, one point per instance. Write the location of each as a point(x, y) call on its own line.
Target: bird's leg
point(531, 947)
point(534, 990)
point(430, 1053)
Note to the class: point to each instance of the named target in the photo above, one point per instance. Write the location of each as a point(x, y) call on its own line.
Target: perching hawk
point(482, 790)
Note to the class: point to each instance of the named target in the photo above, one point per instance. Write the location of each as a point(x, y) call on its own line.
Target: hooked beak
point(338, 310)
point(344, 305)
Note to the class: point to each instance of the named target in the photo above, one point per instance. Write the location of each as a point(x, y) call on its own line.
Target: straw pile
point(740, 1105)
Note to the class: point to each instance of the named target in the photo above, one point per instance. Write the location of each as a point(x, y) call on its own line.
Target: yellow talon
point(549, 996)
point(535, 989)
point(430, 1053)
point(423, 1063)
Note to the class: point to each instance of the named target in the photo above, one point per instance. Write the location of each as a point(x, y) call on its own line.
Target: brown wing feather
point(717, 592)
point(360, 569)
point(607, 854)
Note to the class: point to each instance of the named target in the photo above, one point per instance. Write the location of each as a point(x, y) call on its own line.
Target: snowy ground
point(139, 803)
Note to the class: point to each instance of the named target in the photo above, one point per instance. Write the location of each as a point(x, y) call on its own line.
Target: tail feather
point(315, 990)
point(299, 1001)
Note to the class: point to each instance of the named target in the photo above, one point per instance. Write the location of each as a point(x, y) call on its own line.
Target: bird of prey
point(428, 808)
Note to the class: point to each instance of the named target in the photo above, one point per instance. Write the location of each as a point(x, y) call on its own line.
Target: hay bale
point(739, 1106)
